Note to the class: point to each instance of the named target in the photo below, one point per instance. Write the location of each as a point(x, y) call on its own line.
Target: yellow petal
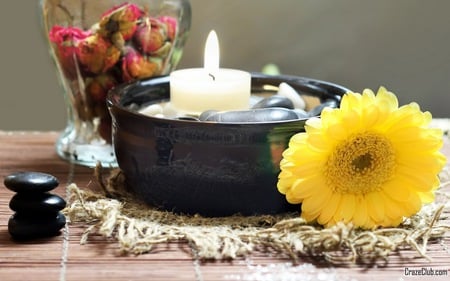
point(313, 124)
point(413, 205)
point(387, 98)
point(396, 190)
point(298, 138)
point(420, 143)
point(375, 206)
point(317, 201)
point(371, 116)
point(351, 121)
point(394, 209)
point(360, 217)
point(319, 142)
point(330, 209)
point(350, 100)
point(368, 97)
point(309, 217)
point(426, 197)
point(346, 209)
point(307, 187)
point(292, 199)
point(337, 132)
point(330, 116)
point(428, 161)
point(304, 156)
point(310, 168)
point(422, 181)
point(406, 116)
point(285, 183)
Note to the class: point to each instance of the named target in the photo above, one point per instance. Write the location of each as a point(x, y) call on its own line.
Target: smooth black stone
point(254, 115)
point(275, 101)
point(30, 182)
point(22, 226)
point(316, 111)
point(37, 203)
point(187, 118)
point(301, 113)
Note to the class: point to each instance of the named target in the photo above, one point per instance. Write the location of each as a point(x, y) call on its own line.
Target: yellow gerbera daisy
point(369, 162)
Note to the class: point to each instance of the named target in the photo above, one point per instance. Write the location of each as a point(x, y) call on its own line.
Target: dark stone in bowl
point(252, 116)
point(275, 101)
point(209, 168)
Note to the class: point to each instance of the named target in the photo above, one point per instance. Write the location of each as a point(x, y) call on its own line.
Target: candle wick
point(212, 76)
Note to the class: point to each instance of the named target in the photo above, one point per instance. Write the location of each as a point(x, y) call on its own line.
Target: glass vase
point(97, 45)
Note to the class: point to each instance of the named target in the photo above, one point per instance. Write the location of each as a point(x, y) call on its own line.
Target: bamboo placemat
point(63, 258)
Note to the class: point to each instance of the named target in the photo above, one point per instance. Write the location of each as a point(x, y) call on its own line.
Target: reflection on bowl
point(213, 169)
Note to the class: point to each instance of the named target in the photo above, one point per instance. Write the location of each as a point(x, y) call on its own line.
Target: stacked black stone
point(37, 212)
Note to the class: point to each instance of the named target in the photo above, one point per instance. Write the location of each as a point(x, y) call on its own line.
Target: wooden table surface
point(63, 258)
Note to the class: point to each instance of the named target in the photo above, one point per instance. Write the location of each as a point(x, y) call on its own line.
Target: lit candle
point(195, 90)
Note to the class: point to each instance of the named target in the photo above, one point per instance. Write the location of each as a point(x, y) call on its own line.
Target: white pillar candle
point(195, 90)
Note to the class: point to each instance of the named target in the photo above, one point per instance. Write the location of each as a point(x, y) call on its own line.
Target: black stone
point(301, 113)
point(316, 111)
point(37, 203)
point(275, 101)
point(30, 182)
point(254, 115)
point(187, 118)
point(22, 226)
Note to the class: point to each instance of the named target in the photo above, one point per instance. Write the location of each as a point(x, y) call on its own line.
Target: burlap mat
point(138, 228)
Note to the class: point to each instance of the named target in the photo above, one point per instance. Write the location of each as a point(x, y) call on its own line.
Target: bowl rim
point(113, 99)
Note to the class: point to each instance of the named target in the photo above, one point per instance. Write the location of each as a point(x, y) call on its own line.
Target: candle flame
point(212, 57)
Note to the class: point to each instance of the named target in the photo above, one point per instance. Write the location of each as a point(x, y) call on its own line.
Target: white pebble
point(287, 91)
point(152, 110)
point(169, 111)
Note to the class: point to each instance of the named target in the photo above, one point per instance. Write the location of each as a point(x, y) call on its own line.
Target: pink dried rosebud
point(97, 88)
point(136, 66)
point(164, 51)
point(151, 36)
point(65, 41)
point(97, 55)
point(171, 26)
point(123, 19)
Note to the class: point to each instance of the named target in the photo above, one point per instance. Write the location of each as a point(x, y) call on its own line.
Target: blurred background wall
point(403, 45)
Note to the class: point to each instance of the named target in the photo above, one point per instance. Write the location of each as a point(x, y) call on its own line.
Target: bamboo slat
point(63, 258)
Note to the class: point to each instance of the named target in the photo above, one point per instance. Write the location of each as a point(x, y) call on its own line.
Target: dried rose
point(171, 25)
point(97, 55)
point(136, 66)
point(121, 19)
point(163, 51)
point(150, 36)
point(97, 88)
point(66, 41)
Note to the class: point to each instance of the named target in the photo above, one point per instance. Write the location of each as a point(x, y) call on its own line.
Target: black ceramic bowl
point(213, 169)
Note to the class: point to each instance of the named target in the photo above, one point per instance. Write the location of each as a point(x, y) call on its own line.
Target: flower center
point(360, 164)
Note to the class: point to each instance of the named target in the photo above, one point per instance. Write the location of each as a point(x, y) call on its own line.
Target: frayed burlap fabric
point(138, 228)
